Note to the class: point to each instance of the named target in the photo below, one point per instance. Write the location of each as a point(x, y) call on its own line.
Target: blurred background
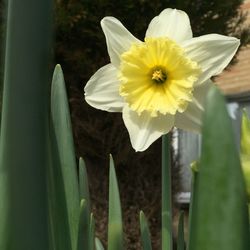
point(79, 46)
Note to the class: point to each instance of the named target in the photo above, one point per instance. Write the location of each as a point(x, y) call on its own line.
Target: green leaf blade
point(245, 134)
point(84, 227)
point(115, 231)
point(24, 126)
point(84, 184)
point(145, 233)
point(219, 213)
point(58, 216)
point(98, 244)
point(92, 233)
point(63, 153)
point(180, 239)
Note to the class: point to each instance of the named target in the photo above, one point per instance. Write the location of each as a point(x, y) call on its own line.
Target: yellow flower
point(161, 82)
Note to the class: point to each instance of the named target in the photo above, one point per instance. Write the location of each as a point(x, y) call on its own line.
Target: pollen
point(157, 77)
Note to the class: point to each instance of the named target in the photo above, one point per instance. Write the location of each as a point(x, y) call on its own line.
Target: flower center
point(157, 77)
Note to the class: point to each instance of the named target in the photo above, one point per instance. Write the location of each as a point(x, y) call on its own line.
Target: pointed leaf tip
point(58, 71)
point(145, 233)
point(64, 160)
point(98, 244)
point(115, 231)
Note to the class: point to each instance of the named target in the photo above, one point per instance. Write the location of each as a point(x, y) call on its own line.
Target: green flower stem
point(23, 154)
point(167, 243)
point(180, 239)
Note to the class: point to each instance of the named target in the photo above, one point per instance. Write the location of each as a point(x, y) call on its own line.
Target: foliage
point(23, 154)
point(35, 198)
point(220, 200)
point(2, 46)
point(71, 226)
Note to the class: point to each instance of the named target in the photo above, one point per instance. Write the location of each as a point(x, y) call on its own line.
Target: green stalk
point(191, 219)
point(180, 239)
point(166, 213)
point(23, 154)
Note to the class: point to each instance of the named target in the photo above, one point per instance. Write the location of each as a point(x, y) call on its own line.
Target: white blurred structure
point(189, 146)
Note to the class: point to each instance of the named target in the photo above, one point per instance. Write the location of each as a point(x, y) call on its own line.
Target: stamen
point(158, 76)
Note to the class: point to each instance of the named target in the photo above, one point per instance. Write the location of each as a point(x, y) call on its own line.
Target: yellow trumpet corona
point(157, 77)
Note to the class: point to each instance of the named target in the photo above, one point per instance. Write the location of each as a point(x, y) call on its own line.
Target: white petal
point(191, 119)
point(212, 52)
point(172, 23)
point(144, 130)
point(118, 38)
point(102, 90)
point(200, 93)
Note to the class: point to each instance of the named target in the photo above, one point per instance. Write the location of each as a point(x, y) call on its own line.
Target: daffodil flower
point(161, 82)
